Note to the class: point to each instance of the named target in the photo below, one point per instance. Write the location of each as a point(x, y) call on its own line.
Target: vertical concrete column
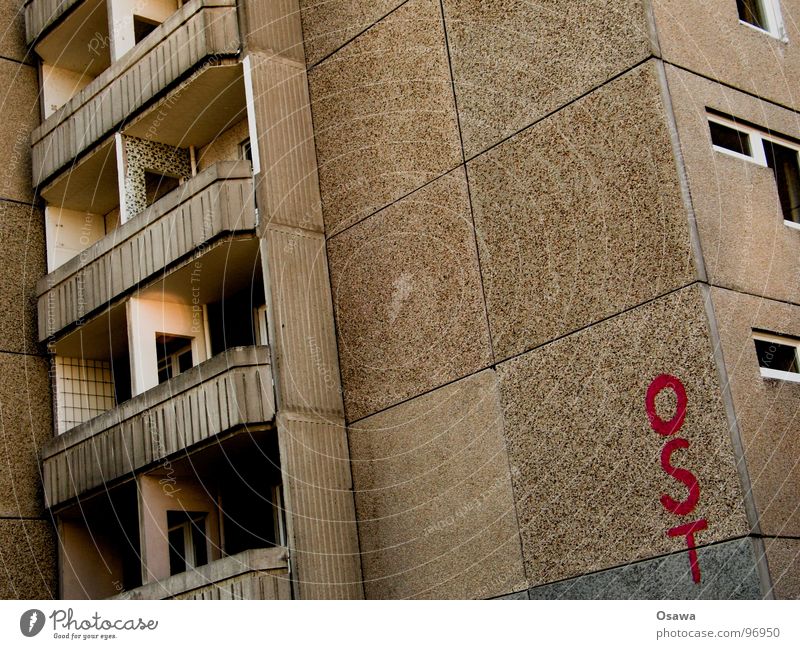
point(27, 545)
point(120, 27)
point(323, 539)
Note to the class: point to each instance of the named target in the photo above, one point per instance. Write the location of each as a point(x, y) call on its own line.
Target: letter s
point(681, 475)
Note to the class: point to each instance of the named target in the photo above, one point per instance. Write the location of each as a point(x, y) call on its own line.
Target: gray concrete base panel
point(728, 571)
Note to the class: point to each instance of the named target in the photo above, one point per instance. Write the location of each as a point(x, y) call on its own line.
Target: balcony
point(254, 574)
point(229, 391)
point(217, 201)
point(200, 31)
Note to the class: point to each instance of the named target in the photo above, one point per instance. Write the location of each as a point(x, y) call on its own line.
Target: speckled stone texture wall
point(27, 554)
point(766, 408)
point(746, 246)
point(588, 477)
point(708, 38)
point(506, 208)
point(730, 570)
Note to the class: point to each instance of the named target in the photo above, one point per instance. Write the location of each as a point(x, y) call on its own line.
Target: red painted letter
point(662, 427)
point(689, 530)
point(681, 475)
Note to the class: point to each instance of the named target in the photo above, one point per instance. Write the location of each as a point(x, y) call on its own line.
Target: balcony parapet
point(230, 390)
point(199, 30)
point(253, 574)
point(217, 201)
point(40, 15)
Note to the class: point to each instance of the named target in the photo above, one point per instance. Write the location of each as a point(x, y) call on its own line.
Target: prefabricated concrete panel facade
point(27, 543)
point(561, 257)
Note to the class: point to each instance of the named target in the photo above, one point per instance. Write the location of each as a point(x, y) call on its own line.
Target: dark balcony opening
point(99, 545)
point(251, 496)
point(158, 185)
point(233, 321)
point(143, 27)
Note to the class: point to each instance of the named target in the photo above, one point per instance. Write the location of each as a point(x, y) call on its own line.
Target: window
point(174, 355)
point(784, 164)
point(781, 155)
point(777, 356)
point(246, 151)
point(188, 541)
point(762, 14)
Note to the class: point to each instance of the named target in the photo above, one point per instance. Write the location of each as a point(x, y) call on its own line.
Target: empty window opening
point(174, 355)
point(158, 185)
point(777, 356)
point(784, 163)
point(752, 11)
point(233, 322)
point(247, 152)
point(142, 27)
point(730, 139)
point(250, 497)
point(188, 540)
point(762, 14)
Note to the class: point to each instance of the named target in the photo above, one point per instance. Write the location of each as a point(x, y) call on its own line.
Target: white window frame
point(775, 27)
point(756, 139)
point(768, 373)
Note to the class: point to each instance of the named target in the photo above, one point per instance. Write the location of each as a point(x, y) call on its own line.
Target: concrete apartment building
point(401, 299)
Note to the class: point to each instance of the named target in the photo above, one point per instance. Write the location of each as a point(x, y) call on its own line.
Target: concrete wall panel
point(25, 424)
point(433, 495)
point(28, 560)
point(585, 461)
point(323, 540)
point(783, 557)
point(728, 571)
point(22, 243)
point(408, 299)
point(745, 244)
point(19, 104)
point(766, 409)
point(329, 25)
point(708, 38)
point(580, 216)
point(384, 115)
point(516, 61)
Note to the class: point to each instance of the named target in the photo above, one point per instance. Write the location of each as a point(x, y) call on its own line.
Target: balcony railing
point(230, 390)
point(199, 30)
point(254, 574)
point(40, 14)
point(215, 202)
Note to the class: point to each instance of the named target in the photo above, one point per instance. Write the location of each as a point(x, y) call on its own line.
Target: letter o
point(659, 383)
point(661, 615)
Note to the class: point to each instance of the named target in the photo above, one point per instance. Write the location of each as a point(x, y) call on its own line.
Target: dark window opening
point(142, 27)
point(158, 185)
point(188, 544)
point(121, 369)
point(784, 163)
point(776, 356)
point(251, 500)
point(752, 11)
point(247, 152)
point(174, 355)
point(730, 139)
point(231, 321)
